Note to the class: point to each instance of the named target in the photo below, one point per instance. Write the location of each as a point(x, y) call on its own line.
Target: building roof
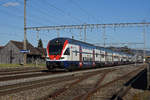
point(33, 50)
point(42, 51)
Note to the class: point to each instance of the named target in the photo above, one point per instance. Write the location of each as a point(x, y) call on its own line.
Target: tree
point(40, 43)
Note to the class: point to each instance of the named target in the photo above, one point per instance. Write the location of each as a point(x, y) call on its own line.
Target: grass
point(10, 65)
point(142, 96)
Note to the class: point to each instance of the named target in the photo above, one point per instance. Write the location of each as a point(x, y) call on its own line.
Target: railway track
point(22, 76)
point(20, 72)
point(69, 90)
point(89, 94)
point(3, 70)
point(17, 73)
point(68, 86)
point(77, 84)
point(124, 90)
point(11, 71)
point(13, 88)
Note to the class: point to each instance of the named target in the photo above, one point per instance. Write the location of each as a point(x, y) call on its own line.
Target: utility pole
point(80, 34)
point(57, 32)
point(144, 51)
point(25, 37)
point(85, 33)
point(136, 56)
point(104, 36)
point(37, 37)
point(148, 76)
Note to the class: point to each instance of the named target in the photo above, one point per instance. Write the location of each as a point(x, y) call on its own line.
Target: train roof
point(88, 45)
point(73, 41)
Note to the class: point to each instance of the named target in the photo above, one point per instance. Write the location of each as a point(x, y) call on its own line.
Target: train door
point(112, 58)
point(93, 57)
point(106, 60)
point(71, 53)
point(80, 56)
point(100, 56)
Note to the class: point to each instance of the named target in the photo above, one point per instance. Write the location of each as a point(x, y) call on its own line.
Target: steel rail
point(96, 85)
point(123, 91)
point(20, 72)
point(15, 77)
point(91, 92)
point(68, 86)
point(3, 70)
point(14, 88)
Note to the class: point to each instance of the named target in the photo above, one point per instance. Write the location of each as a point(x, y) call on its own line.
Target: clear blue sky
point(68, 12)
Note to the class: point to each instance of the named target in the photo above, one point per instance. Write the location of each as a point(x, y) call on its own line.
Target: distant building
point(10, 53)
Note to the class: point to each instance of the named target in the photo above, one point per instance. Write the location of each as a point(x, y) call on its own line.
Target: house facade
point(10, 53)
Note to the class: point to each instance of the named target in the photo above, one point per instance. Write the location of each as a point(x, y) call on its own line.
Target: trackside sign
point(25, 51)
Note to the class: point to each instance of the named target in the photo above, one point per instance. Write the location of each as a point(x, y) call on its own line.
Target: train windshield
point(55, 49)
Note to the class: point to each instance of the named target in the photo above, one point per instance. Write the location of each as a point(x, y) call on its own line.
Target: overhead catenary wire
point(47, 16)
point(63, 12)
point(7, 11)
point(30, 19)
point(49, 6)
point(90, 25)
point(83, 10)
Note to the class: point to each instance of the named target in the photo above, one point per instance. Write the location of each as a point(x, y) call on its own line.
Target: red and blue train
point(71, 54)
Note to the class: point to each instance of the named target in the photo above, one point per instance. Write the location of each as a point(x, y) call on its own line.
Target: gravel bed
point(80, 88)
point(107, 92)
point(131, 93)
point(83, 87)
point(51, 76)
point(138, 95)
point(34, 94)
point(20, 74)
point(10, 69)
point(117, 73)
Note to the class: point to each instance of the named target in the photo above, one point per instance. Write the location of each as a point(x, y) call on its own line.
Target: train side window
point(67, 52)
point(96, 54)
point(102, 55)
point(76, 52)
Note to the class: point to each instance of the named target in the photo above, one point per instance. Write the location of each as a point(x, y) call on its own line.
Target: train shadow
point(139, 81)
point(54, 71)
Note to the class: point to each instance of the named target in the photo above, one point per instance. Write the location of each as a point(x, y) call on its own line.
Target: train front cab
point(57, 54)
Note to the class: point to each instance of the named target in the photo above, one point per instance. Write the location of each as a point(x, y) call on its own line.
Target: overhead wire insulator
point(80, 34)
point(37, 35)
point(91, 29)
point(58, 34)
point(114, 28)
